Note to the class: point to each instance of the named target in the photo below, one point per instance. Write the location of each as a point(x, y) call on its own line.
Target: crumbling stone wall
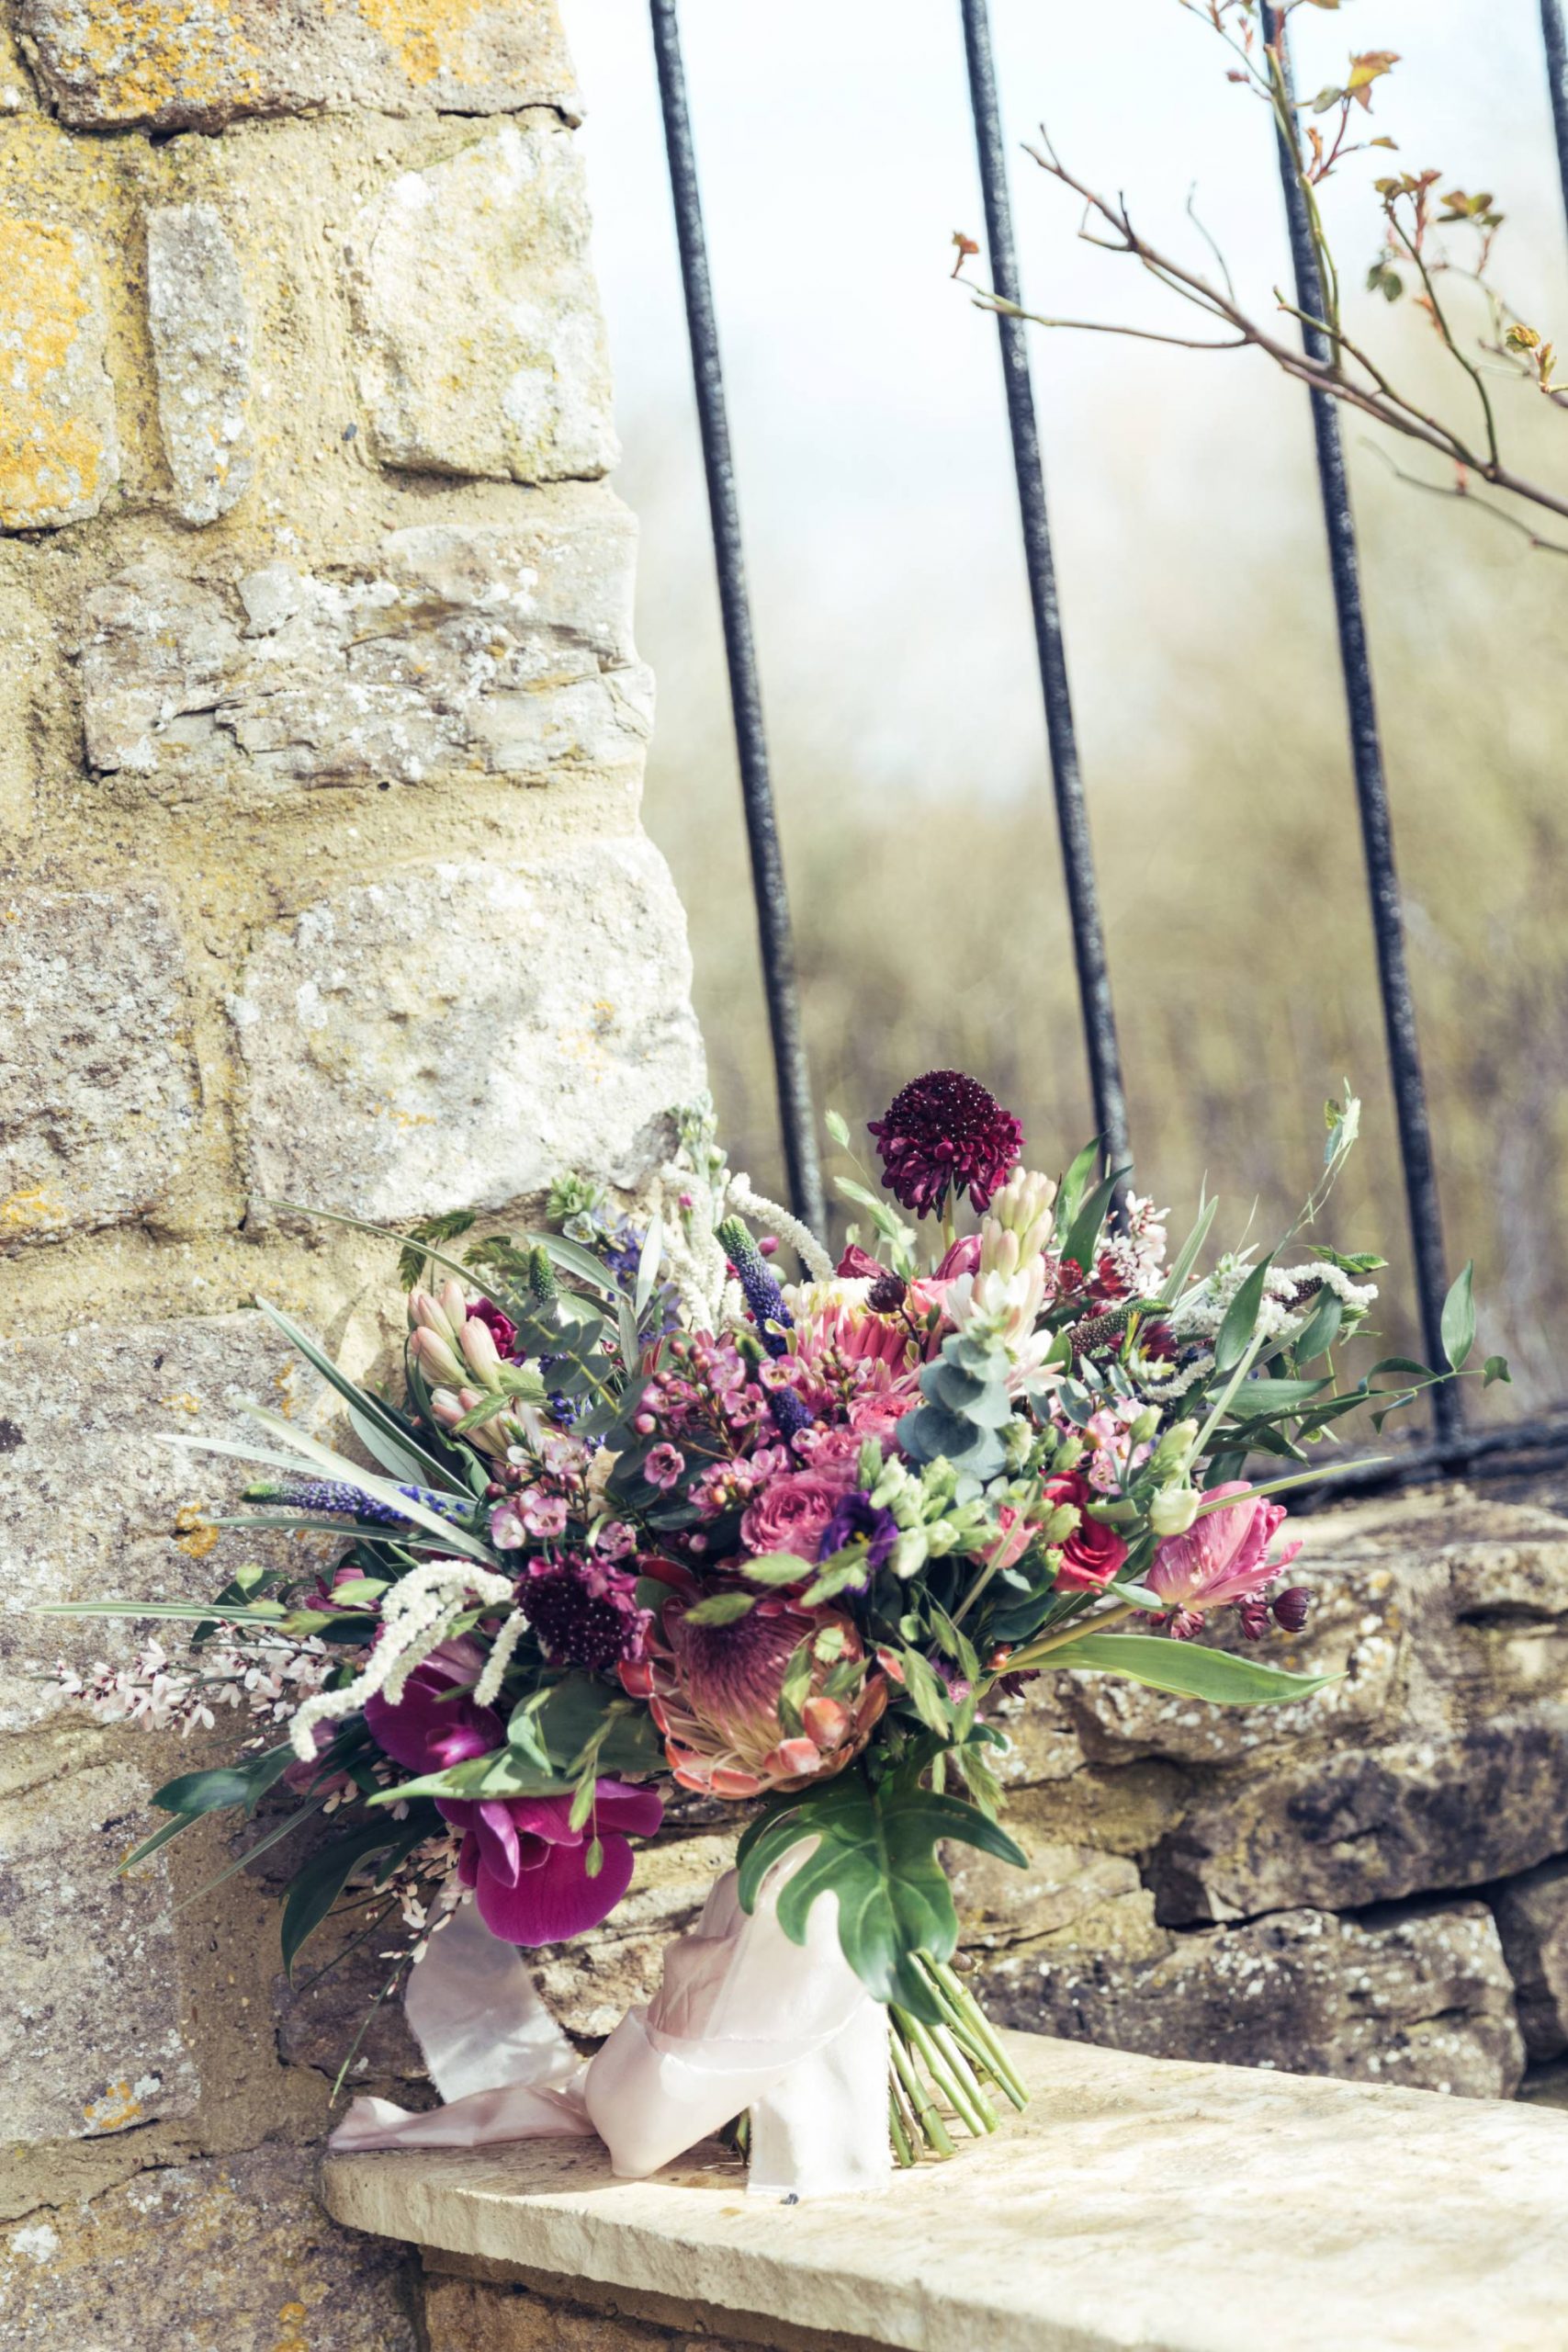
point(322, 735)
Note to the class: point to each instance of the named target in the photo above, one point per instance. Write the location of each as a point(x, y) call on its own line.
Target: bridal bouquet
point(649, 1510)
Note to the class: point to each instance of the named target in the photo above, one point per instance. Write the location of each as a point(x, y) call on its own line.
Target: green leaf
point(1241, 1319)
point(504, 1772)
point(1084, 1232)
point(1074, 1184)
point(876, 1850)
point(837, 1127)
point(648, 1267)
point(775, 1568)
point(1321, 1329)
point(1187, 1670)
point(1186, 1256)
point(721, 1608)
point(374, 1424)
point(1494, 1368)
point(319, 1884)
point(1255, 1398)
point(1458, 1318)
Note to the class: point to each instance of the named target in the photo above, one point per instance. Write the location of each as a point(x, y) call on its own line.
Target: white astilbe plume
point(783, 1225)
point(486, 1689)
point(416, 1616)
point(691, 1211)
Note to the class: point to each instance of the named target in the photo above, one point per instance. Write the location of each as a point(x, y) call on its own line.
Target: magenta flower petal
point(559, 1900)
point(636, 1812)
point(501, 1849)
point(546, 1817)
point(425, 1730)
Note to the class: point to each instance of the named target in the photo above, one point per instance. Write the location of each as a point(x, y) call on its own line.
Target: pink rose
point(790, 1514)
point(1093, 1552)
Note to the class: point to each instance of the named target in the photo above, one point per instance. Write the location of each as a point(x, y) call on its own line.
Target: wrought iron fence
point(1450, 1445)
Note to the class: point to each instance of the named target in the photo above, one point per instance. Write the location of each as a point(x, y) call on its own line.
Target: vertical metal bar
point(791, 1071)
point(1072, 817)
point(1372, 791)
point(1557, 79)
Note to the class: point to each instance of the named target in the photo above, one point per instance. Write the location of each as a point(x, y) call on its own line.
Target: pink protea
point(1222, 1558)
point(715, 1691)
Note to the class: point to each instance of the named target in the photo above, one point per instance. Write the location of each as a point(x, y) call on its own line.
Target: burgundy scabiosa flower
point(583, 1613)
point(944, 1134)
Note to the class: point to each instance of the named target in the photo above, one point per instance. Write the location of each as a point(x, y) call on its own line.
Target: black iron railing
point(1451, 1444)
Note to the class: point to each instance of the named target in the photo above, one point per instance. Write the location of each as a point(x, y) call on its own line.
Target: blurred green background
point(893, 619)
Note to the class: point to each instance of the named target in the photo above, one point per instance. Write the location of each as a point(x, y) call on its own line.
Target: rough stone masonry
point(322, 732)
point(321, 738)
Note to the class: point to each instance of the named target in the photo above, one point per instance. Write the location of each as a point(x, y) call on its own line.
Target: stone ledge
point(1140, 2202)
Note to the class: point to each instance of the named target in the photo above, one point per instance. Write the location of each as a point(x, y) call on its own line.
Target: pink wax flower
point(1093, 1552)
point(663, 1466)
point(790, 1513)
point(1223, 1557)
point(529, 1868)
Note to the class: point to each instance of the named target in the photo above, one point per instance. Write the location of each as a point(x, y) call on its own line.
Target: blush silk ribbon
point(743, 2020)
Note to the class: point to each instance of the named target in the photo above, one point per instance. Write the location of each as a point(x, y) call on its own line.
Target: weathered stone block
point(1366, 1825)
point(1532, 1919)
point(93, 1506)
point(97, 1081)
point(201, 350)
point(233, 2252)
point(1421, 1998)
point(450, 652)
point(1356, 1631)
point(468, 1033)
point(1063, 1889)
point(59, 447)
point(471, 2316)
point(115, 64)
point(89, 2030)
point(482, 349)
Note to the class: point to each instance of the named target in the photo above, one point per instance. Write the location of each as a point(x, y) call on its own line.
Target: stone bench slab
point(1139, 2203)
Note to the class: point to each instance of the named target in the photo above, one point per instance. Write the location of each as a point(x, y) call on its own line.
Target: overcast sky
point(837, 161)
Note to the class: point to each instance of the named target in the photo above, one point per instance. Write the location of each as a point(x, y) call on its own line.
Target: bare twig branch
point(1377, 400)
point(1460, 489)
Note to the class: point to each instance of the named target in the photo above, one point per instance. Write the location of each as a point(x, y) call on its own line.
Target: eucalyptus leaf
point(1241, 1319)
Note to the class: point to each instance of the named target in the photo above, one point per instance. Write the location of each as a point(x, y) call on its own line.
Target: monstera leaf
point(876, 1849)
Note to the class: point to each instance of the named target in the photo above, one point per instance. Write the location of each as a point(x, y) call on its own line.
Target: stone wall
point(322, 735)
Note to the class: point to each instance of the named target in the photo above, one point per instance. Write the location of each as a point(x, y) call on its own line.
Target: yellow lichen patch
point(291, 2319)
point(30, 1212)
point(195, 1534)
point(145, 58)
point(57, 442)
point(425, 36)
point(117, 2109)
